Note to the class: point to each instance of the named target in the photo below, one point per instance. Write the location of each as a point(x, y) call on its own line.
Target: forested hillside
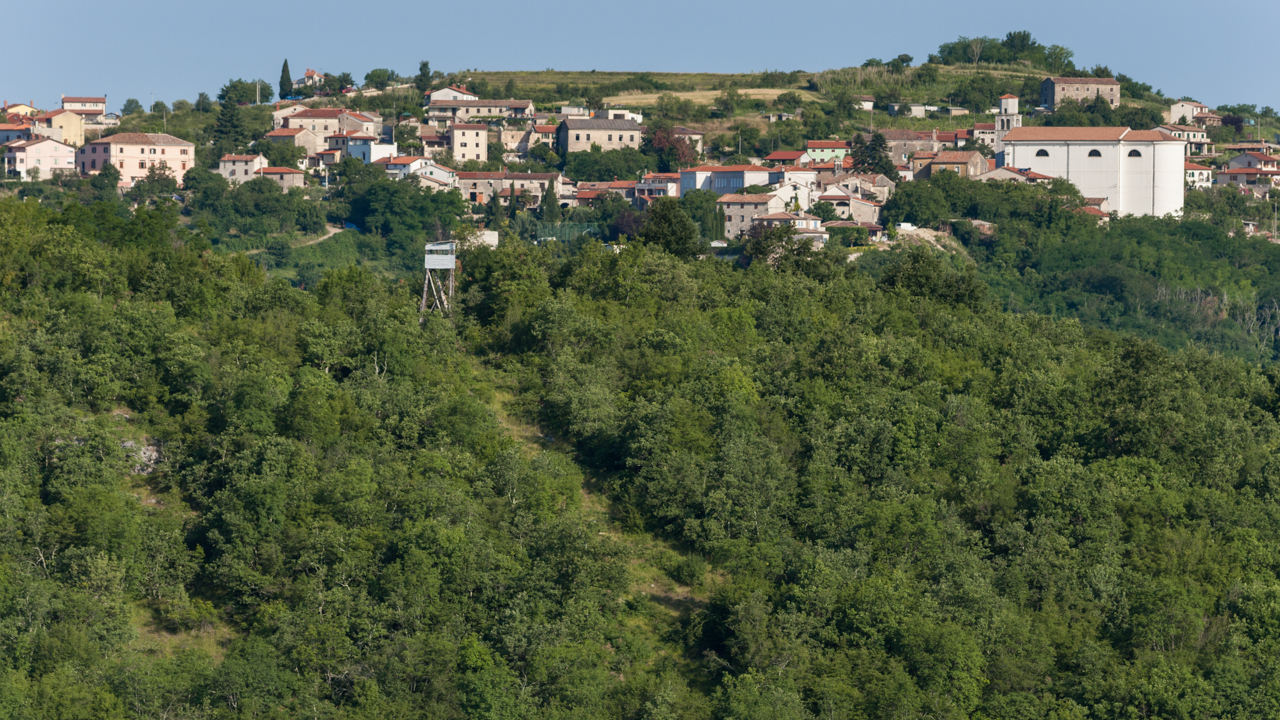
point(626, 485)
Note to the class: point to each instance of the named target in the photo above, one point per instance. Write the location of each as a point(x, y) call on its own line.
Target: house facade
point(741, 210)
point(240, 168)
point(1199, 177)
point(1053, 90)
point(469, 141)
point(656, 185)
point(9, 132)
point(579, 134)
point(89, 108)
point(453, 92)
point(1184, 112)
point(134, 154)
point(471, 110)
point(45, 156)
point(1197, 138)
point(310, 78)
point(1251, 159)
point(327, 121)
point(1140, 172)
point(965, 163)
point(300, 137)
point(826, 150)
point(723, 179)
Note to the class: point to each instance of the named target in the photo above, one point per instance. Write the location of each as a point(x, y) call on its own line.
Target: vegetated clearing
point(706, 97)
point(551, 78)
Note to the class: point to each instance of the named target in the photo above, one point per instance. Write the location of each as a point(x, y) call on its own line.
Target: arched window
point(1094, 153)
point(1042, 153)
point(1134, 153)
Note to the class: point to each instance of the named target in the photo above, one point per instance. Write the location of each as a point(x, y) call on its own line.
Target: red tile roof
point(1193, 166)
point(726, 168)
point(745, 199)
point(956, 156)
point(1008, 97)
point(285, 132)
point(785, 155)
point(828, 144)
point(141, 139)
point(984, 126)
point(469, 126)
point(1067, 134)
point(69, 98)
point(246, 158)
point(544, 128)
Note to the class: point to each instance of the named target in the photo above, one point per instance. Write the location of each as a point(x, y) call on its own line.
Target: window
point(1134, 153)
point(1042, 153)
point(183, 151)
point(94, 164)
point(611, 137)
point(633, 138)
point(184, 166)
point(1094, 153)
point(95, 150)
point(121, 164)
point(142, 165)
point(577, 136)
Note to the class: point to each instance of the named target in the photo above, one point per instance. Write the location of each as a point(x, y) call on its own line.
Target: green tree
point(286, 80)
point(422, 81)
point(131, 107)
point(379, 78)
point(159, 108)
point(667, 226)
point(203, 103)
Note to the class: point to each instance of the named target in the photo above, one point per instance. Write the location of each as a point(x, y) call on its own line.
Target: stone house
point(240, 168)
point(469, 141)
point(286, 178)
point(1053, 90)
point(300, 137)
point(741, 210)
point(965, 163)
point(578, 135)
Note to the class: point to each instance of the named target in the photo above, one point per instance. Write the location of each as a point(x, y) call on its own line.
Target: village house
point(478, 187)
point(656, 185)
point(469, 141)
point(1184, 112)
point(136, 153)
point(453, 92)
point(1207, 119)
point(1245, 176)
point(286, 178)
point(741, 210)
point(19, 109)
point(849, 206)
point(326, 121)
point(984, 133)
point(451, 111)
point(45, 156)
point(789, 157)
point(965, 163)
point(240, 168)
point(1140, 172)
point(90, 108)
point(620, 114)
point(1011, 174)
point(1254, 160)
point(402, 166)
point(869, 186)
point(310, 78)
point(285, 110)
point(437, 176)
point(693, 137)
point(578, 135)
point(806, 226)
point(298, 137)
point(69, 126)
point(723, 179)
point(10, 132)
point(1053, 90)
point(827, 150)
point(626, 189)
point(905, 143)
point(1198, 142)
point(360, 146)
point(1199, 177)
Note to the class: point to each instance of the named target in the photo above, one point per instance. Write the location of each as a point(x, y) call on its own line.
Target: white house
point(1140, 172)
point(240, 168)
point(1184, 112)
point(1199, 177)
point(723, 179)
point(453, 92)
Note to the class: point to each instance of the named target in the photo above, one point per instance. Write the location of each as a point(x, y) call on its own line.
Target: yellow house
point(71, 124)
point(19, 109)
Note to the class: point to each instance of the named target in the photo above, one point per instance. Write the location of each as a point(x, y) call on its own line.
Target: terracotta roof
point(662, 176)
point(69, 98)
point(13, 126)
point(142, 139)
point(329, 113)
point(984, 126)
point(1193, 166)
point(482, 176)
point(785, 155)
point(1151, 136)
point(544, 128)
point(1185, 128)
point(311, 73)
point(827, 144)
point(991, 164)
point(1248, 171)
point(438, 181)
point(404, 160)
point(745, 199)
point(1263, 157)
point(956, 156)
point(277, 171)
point(1084, 81)
point(1190, 102)
point(588, 194)
point(1008, 97)
point(246, 158)
point(786, 216)
point(469, 126)
point(1092, 211)
point(285, 132)
point(899, 135)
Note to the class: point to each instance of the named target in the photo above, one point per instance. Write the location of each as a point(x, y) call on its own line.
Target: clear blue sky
point(127, 50)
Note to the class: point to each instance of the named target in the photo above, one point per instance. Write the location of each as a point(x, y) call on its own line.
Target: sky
point(138, 53)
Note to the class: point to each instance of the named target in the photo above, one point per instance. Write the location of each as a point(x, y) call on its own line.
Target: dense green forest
point(1035, 481)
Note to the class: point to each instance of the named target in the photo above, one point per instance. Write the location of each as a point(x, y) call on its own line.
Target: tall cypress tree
point(286, 81)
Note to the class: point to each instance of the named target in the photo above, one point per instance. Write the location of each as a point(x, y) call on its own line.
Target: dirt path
point(330, 232)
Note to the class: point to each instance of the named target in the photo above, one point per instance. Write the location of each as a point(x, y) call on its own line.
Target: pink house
point(45, 156)
point(134, 154)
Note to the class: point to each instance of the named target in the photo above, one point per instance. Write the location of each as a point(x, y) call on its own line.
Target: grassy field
point(551, 78)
